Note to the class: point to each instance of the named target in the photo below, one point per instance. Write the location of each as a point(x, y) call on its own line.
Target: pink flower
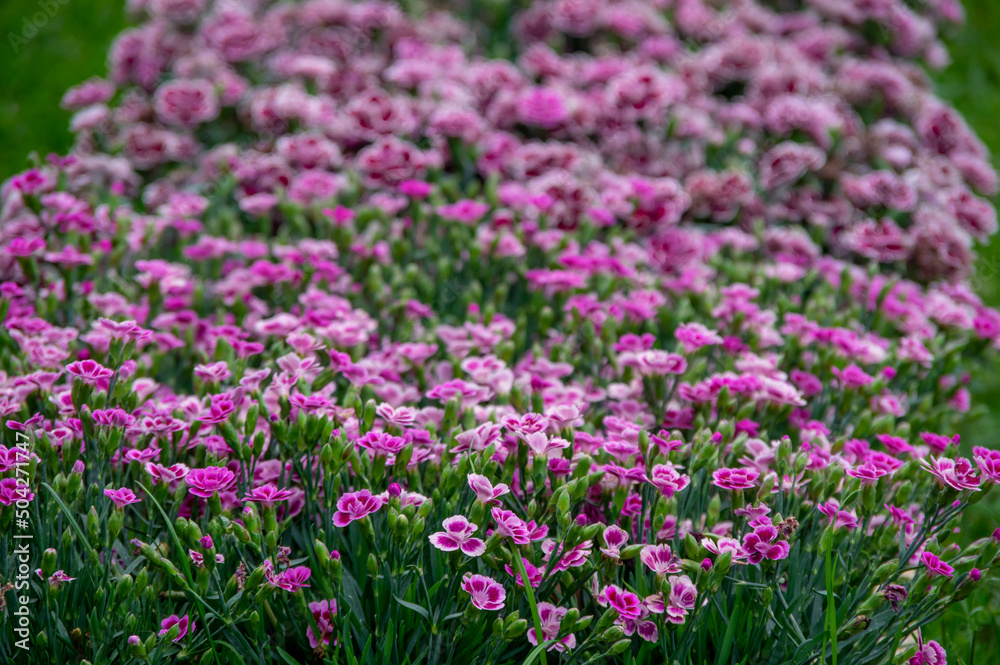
point(457, 535)
point(683, 592)
point(660, 559)
point(89, 371)
point(626, 603)
point(694, 336)
point(542, 107)
point(184, 623)
point(268, 495)
point(486, 594)
point(122, 497)
point(206, 482)
point(852, 376)
point(24, 247)
point(762, 543)
point(614, 538)
point(668, 480)
point(838, 518)
point(936, 566)
point(735, 478)
point(957, 474)
point(166, 474)
point(354, 506)
point(323, 612)
point(486, 492)
point(723, 545)
point(988, 462)
point(533, 572)
point(510, 526)
point(551, 618)
point(930, 653)
point(382, 444)
point(293, 578)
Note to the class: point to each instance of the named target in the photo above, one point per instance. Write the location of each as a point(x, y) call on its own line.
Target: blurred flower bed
point(568, 331)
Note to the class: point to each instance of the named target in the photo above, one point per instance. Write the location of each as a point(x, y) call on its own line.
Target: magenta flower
point(122, 497)
point(457, 535)
point(293, 578)
point(510, 526)
point(723, 545)
point(486, 492)
point(89, 371)
point(955, 473)
point(838, 518)
point(213, 373)
point(184, 623)
point(929, 653)
point(551, 618)
point(694, 336)
point(614, 538)
point(166, 474)
point(660, 559)
point(25, 247)
point(112, 418)
point(762, 543)
point(206, 482)
point(668, 480)
point(323, 612)
point(268, 495)
point(852, 376)
point(381, 444)
point(936, 566)
point(626, 603)
point(541, 107)
point(486, 594)
point(13, 490)
point(735, 478)
point(683, 592)
point(533, 572)
point(988, 462)
point(354, 506)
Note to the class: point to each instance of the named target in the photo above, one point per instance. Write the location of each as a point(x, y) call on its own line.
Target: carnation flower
point(206, 482)
point(626, 603)
point(457, 535)
point(184, 624)
point(121, 497)
point(735, 479)
point(355, 506)
point(486, 594)
point(936, 566)
point(485, 491)
point(268, 495)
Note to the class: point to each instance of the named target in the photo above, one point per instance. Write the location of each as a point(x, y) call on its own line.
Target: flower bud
point(619, 647)
point(123, 589)
point(609, 617)
point(48, 562)
point(137, 648)
point(612, 634)
point(569, 620)
point(515, 629)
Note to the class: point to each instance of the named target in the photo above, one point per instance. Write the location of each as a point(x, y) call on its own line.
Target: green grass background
point(40, 59)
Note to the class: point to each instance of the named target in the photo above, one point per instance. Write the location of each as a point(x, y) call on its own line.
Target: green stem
point(831, 611)
point(531, 599)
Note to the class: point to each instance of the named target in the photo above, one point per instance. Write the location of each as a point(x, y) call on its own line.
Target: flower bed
point(635, 331)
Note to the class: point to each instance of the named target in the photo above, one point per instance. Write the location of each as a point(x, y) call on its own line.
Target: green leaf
point(412, 606)
point(285, 657)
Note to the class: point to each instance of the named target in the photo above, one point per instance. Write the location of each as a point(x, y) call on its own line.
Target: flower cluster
point(345, 331)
